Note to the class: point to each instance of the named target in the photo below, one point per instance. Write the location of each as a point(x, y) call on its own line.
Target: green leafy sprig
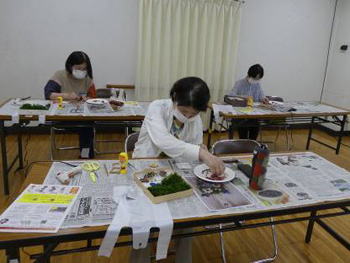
point(169, 185)
point(28, 106)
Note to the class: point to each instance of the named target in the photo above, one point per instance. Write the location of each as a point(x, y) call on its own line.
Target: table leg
point(20, 149)
point(210, 130)
point(4, 157)
point(230, 130)
point(341, 134)
point(48, 249)
point(310, 227)
point(310, 133)
point(13, 255)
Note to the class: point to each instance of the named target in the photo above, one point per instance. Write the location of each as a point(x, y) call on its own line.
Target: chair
point(103, 93)
point(53, 145)
point(107, 93)
point(277, 124)
point(131, 141)
point(64, 127)
point(241, 146)
point(234, 146)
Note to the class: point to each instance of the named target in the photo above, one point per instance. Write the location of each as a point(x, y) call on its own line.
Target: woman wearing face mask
point(75, 83)
point(250, 86)
point(173, 127)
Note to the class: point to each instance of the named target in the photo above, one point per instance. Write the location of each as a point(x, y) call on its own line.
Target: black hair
point(191, 91)
point(256, 71)
point(77, 58)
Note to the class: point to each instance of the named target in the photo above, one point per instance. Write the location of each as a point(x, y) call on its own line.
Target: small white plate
point(97, 101)
point(201, 171)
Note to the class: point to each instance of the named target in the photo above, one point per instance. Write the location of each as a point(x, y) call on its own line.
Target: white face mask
point(79, 74)
point(181, 118)
point(253, 81)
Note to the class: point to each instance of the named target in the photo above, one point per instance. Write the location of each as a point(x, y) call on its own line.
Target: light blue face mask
point(253, 81)
point(181, 118)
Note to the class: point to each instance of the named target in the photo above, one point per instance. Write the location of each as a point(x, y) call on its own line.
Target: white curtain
point(180, 38)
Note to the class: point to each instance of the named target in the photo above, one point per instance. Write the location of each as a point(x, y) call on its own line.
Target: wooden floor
point(241, 246)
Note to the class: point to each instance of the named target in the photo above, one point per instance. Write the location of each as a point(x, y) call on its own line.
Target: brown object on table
point(105, 166)
point(116, 103)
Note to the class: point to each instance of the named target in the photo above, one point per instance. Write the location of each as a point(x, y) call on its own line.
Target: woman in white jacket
point(173, 127)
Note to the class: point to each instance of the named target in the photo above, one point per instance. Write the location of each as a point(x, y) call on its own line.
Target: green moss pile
point(171, 184)
point(28, 106)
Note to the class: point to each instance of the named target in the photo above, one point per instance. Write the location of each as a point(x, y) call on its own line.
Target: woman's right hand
point(71, 96)
point(214, 163)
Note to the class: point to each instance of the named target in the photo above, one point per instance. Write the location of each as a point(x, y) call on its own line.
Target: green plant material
point(171, 184)
point(28, 106)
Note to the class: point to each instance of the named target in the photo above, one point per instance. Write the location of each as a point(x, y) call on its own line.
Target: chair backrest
point(275, 98)
point(121, 95)
point(130, 141)
point(234, 146)
point(103, 93)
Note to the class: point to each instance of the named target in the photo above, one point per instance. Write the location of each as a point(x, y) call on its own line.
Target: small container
point(259, 167)
point(250, 101)
point(124, 159)
point(60, 102)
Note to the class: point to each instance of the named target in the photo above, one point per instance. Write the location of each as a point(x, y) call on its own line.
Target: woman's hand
point(266, 101)
point(71, 96)
point(204, 147)
point(214, 163)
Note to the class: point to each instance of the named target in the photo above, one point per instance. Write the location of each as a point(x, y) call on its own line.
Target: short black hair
point(77, 58)
point(192, 92)
point(256, 71)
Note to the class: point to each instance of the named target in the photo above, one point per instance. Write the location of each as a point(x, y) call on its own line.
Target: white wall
point(288, 37)
point(337, 88)
point(37, 36)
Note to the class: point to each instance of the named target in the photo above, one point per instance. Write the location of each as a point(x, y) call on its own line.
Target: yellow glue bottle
point(60, 102)
point(124, 159)
point(250, 102)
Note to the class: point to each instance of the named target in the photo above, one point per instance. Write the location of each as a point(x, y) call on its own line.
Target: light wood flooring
point(241, 246)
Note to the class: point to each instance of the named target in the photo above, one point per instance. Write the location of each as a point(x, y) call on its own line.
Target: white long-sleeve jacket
point(155, 136)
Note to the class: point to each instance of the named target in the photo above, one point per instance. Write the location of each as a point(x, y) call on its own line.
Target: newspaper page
point(280, 108)
point(40, 208)
point(68, 109)
point(81, 108)
point(292, 180)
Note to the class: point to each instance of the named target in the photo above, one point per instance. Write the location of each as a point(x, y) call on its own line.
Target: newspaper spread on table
point(12, 107)
point(292, 180)
point(260, 109)
point(40, 208)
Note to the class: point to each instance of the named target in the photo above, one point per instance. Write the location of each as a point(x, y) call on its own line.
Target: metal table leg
point(12, 255)
point(310, 227)
point(230, 130)
point(341, 134)
point(310, 133)
point(210, 130)
point(20, 149)
point(4, 157)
